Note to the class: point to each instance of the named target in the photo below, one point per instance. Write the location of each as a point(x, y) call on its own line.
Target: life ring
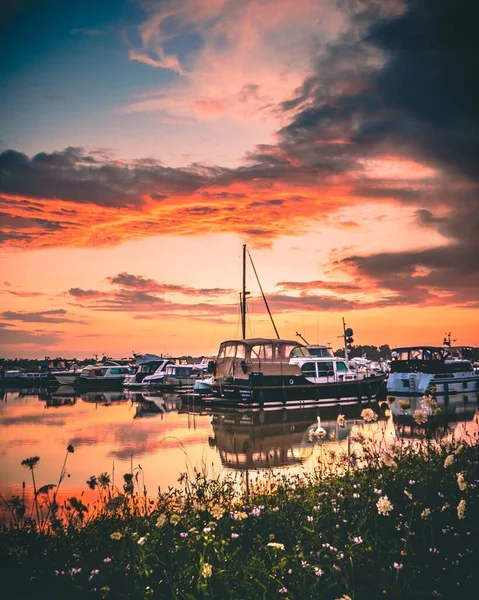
point(291, 381)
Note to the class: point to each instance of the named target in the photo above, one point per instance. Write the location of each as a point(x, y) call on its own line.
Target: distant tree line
point(370, 352)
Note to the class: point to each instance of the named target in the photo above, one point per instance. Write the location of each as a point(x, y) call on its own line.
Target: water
point(160, 437)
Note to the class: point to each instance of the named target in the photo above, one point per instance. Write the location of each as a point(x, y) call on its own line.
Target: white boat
point(66, 377)
point(174, 376)
point(415, 369)
point(101, 376)
point(146, 365)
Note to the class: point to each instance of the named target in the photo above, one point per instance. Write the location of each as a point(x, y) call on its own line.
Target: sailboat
point(254, 372)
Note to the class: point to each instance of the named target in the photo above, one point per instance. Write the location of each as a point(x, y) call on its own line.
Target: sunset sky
point(143, 142)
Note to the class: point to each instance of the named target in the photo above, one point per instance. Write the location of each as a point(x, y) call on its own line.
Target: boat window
point(262, 351)
point(114, 371)
point(325, 369)
point(308, 369)
point(229, 351)
point(240, 351)
point(291, 351)
point(341, 366)
point(415, 355)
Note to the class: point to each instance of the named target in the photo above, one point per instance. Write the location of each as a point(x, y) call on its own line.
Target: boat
point(23, 379)
point(146, 365)
point(101, 377)
point(415, 370)
point(174, 376)
point(252, 372)
point(66, 377)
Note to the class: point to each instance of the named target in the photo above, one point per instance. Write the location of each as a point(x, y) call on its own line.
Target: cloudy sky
point(143, 142)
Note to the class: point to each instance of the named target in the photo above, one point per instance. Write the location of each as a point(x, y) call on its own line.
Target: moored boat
point(101, 377)
point(253, 372)
point(146, 365)
point(415, 369)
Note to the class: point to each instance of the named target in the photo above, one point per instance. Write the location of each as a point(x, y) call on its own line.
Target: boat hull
point(292, 390)
point(417, 384)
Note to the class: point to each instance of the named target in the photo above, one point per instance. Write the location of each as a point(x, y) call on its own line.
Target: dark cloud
point(139, 294)
point(13, 336)
point(45, 316)
point(76, 176)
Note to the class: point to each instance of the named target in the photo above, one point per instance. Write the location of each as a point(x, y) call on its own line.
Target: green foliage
point(376, 524)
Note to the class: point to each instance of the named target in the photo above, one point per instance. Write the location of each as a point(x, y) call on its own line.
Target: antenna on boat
point(447, 340)
point(262, 293)
point(299, 335)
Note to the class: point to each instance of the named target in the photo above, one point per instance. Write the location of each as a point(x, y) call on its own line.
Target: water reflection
point(149, 404)
point(116, 431)
point(265, 439)
point(446, 415)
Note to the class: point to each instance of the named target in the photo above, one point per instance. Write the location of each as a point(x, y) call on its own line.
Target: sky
point(144, 142)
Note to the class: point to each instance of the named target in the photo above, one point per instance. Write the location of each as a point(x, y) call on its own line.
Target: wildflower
point(419, 416)
point(356, 495)
point(369, 415)
point(283, 590)
point(206, 529)
point(318, 572)
point(344, 597)
point(70, 448)
point(183, 534)
point(93, 573)
point(340, 420)
point(408, 494)
point(461, 482)
point(234, 536)
point(141, 541)
point(206, 571)
point(461, 509)
point(388, 460)
point(161, 521)
point(174, 519)
point(397, 566)
point(276, 545)
point(116, 535)
point(217, 511)
point(107, 560)
point(276, 509)
point(425, 513)
point(358, 540)
point(309, 518)
point(384, 506)
point(75, 570)
point(239, 516)
point(256, 512)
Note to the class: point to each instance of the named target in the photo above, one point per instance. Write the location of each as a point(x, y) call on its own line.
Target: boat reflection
point(65, 395)
point(106, 398)
point(443, 417)
point(150, 404)
point(263, 439)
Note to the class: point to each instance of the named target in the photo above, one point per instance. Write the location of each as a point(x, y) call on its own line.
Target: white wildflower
point(384, 506)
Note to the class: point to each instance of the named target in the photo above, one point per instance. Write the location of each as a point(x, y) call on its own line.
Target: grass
point(377, 523)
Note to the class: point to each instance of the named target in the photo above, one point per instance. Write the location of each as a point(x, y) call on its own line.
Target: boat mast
point(243, 296)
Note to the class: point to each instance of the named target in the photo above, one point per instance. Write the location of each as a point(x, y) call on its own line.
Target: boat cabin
point(426, 359)
point(239, 358)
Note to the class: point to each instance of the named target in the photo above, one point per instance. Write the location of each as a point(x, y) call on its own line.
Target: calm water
point(163, 436)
